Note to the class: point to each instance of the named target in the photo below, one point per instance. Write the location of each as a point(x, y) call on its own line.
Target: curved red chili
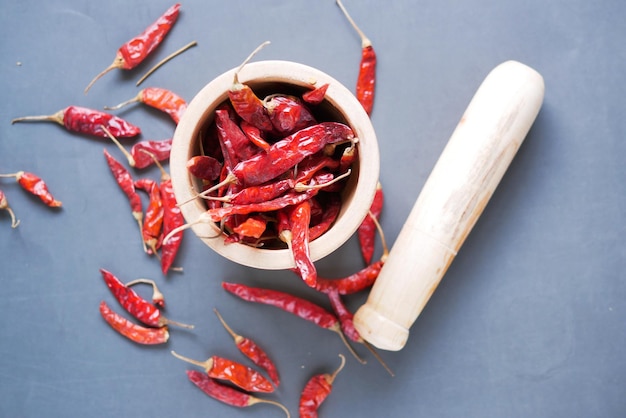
point(87, 121)
point(36, 186)
point(317, 390)
point(4, 205)
point(315, 96)
point(251, 350)
point(288, 114)
point(153, 218)
point(224, 369)
point(234, 143)
point(172, 219)
point(367, 229)
point(159, 98)
point(353, 283)
point(160, 149)
point(134, 332)
point(329, 215)
point(157, 297)
point(227, 394)
point(133, 52)
point(204, 167)
point(299, 219)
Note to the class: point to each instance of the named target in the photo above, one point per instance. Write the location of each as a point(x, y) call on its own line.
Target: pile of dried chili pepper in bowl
point(275, 165)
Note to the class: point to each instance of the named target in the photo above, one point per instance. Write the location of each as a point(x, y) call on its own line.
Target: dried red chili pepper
point(87, 121)
point(204, 167)
point(299, 219)
point(238, 374)
point(153, 218)
point(134, 332)
point(160, 150)
point(257, 194)
point(4, 205)
point(254, 134)
point(125, 181)
point(253, 227)
point(366, 81)
point(159, 98)
point(157, 296)
point(227, 394)
point(315, 96)
point(331, 211)
point(133, 52)
point(311, 165)
point(316, 391)
point(353, 283)
point(292, 304)
point(367, 229)
point(36, 186)
point(288, 114)
point(135, 305)
point(251, 350)
point(234, 143)
point(246, 103)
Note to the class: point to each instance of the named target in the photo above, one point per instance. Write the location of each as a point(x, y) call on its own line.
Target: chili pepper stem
point(230, 178)
point(206, 365)
point(254, 400)
point(203, 218)
point(336, 328)
point(331, 378)
point(164, 60)
point(157, 295)
point(230, 331)
point(179, 324)
point(56, 117)
point(302, 187)
point(164, 175)
point(377, 356)
point(16, 175)
point(130, 158)
point(382, 236)
point(365, 42)
point(236, 82)
point(135, 99)
point(4, 205)
point(118, 62)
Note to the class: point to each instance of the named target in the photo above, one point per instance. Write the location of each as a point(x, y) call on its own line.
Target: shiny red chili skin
point(288, 152)
point(288, 114)
point(234, 143)
point(345, 316)
point(164, 100)
point(329, 215)
point(172, 218)
point(204, 167)
point(315, 96)
point(367, 229)
point(35, 185)
point(353, 283)
point(160, 149)
point(88, 121)
point(153, 218)
point(249, 107)
point(135, 50)
point(313, 395)
point(366, 82)
point(126, 183)
point(299, 219)
point(134, 332)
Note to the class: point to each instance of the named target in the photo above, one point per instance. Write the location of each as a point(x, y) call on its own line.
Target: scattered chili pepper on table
point(4, 205)
point(153, 218)
point(143, 153)
point(159, 98)
point(34, 185)
point(251, 350)
point(366, 231)
point(366, 81)
point(157, 296)
point(87, 121)
point(133, 52)
point(222, 368)
point(134, 332)
point(317, 390)
point(138, 307)
point(356, 282)
point(227, 394)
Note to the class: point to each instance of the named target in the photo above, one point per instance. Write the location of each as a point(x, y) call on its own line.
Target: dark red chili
point(315, 96)
point(316, 391)
point(353, 283)
point(160, 150)
point(234, 143)
point(153, 218)
point(133, 52)
point(125, 181)
point(159, 98)
point(292, 304)
point(36, 186)
point(257, 194)
point(254, 134)
point(251, 350)
point(242, 376)
point(227, 394)
point(367, 229)
point(87, 121)
point(134, 332)
point(135, 305)
point(288, 114)
point(329, 215)
point(204, 167)
point(4, 205)
point(366, 81)
point(299, 219)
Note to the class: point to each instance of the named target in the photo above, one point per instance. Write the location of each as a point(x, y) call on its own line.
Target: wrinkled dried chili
point(133, 52)
point(238, 374)
point(4, 205)
point(153, 218)
point(204, 167)
point(36, 186)
point(227, 394)
point(134, 332)
point(287, 113)
point(299, 219)
point(367, 229)
point(316, 391)
point(159, 98)
point(361, 280)
point(138, 307)
point(315, 96)
point(251, 350)
point(157, 296)
point(87, 121)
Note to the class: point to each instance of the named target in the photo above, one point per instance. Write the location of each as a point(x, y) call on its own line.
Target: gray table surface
point(529, 320)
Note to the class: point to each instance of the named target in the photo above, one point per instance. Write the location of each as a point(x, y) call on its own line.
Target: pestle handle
point(469, 169)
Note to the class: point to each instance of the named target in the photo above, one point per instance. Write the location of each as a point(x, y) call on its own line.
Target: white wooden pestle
point(468, 171)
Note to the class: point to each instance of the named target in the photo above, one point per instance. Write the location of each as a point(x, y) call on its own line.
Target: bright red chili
point(125, 181)
point(367, 229)
point(36, 186)
point(254, 134)
point(242, 376)
point(159, 98)
point(134, 332)
point(153, 218)
point(292, 304)
point(160, 150)
point(315, 96)
point(299, 219)
point(234, 143)
point(251, 350)
point(172, 219)
point(366, 81)
point(329, 215)
point(227, 394)
point(204, 167)
point(316, 391)
point(288, 114)
point(157, 297)
point(133, 52)
point(135, 305)
point(257, 194)
point(87, 121)
point(353, 283)
point(252, 227)
point(4, 205)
